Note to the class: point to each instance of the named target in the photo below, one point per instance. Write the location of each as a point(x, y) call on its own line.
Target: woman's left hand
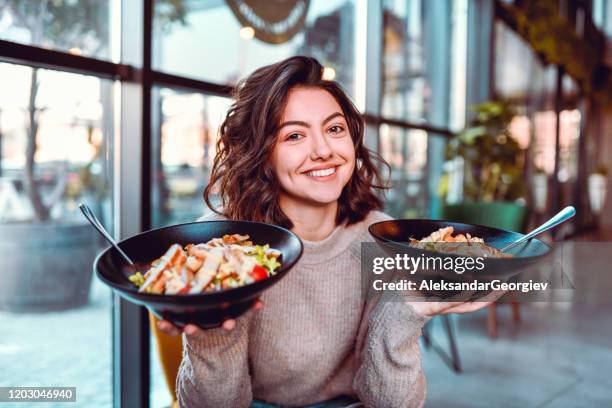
point(431, 309)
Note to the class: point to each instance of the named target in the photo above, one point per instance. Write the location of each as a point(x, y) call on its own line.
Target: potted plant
point(493, 187)
point(597, 186)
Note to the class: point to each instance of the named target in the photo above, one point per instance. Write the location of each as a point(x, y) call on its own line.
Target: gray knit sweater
point(315, 339)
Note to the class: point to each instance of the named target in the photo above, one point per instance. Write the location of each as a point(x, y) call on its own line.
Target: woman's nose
point(320, 148)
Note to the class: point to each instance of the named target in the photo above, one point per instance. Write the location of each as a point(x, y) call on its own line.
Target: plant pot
point(540, 191)
point(597, 185)
point(46, 266)
point(498, 214)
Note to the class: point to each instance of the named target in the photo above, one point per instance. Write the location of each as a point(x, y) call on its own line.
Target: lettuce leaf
point(268, 262)
point(137, 279)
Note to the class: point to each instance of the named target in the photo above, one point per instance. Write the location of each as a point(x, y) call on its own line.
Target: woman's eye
point(336, 129)
point(294, 136)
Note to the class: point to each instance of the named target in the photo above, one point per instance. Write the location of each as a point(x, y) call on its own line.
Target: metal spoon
point(562, 216)
point(91, 217)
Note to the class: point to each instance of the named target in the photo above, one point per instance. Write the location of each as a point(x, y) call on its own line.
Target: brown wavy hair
point(243, 174)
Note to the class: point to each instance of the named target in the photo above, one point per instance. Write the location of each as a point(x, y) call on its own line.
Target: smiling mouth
point(321, 173)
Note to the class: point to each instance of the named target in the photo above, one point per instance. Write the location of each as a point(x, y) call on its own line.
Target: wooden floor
point(559, 355)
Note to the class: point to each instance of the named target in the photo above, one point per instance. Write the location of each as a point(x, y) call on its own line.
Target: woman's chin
point(314, 200)
point(324, 200)
point(310, 198)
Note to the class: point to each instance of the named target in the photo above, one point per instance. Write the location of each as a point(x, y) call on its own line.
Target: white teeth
point(321, 173)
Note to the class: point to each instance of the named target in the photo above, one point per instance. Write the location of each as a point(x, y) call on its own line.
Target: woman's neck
point(311, 223)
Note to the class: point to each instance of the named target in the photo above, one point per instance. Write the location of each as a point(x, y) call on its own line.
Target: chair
point(170, 351)
point(498, 214)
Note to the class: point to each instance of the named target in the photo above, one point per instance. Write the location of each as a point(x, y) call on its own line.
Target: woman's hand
point(193, 330)
point(431, 309)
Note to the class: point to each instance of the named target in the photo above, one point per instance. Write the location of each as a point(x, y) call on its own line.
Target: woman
point(291, 153)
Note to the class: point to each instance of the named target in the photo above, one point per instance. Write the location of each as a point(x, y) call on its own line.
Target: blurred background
point(491, 112)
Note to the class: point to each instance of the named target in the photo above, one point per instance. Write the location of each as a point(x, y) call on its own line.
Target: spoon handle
point(93, 220)
point(562, 216)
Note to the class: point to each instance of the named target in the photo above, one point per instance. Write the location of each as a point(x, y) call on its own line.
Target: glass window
point(518, 72)
point(228, 40)
point(520, 76)
point(406, 151)
point(422, 40)
point(512, 58)
point(458, 58)
point(79, 27)
point(185, 136)
point(406, 92)
point(602, 15)
point(56, 148)
point(535, 94)
point(185, 132)
point(544, 142)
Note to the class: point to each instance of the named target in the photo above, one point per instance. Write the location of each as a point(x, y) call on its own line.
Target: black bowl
point(393, 237)
point(204, 309)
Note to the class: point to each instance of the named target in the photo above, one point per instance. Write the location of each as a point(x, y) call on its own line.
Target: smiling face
point(314, 156)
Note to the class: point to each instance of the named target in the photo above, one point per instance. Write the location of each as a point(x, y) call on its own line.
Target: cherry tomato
point(259, 272)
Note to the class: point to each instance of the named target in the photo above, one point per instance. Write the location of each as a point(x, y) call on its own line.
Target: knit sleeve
point(214, 371)
point(389, 372)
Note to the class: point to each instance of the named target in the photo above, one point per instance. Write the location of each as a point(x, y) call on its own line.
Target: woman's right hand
point(193, 330)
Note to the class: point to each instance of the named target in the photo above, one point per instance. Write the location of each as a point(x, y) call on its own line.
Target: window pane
point(406, 91)
point(544, 142)
point(222, 42)
point(535, 93)
point(517, 68)
point(186, 133)
point(602, 15)
point(458, 62)
point(185, 126)
point(419, 37)
point(80, 27)
point(406, 151)
point(55, 153)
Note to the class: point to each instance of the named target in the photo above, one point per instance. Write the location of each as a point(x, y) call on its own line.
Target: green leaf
point(268, 262)
point(137, 279)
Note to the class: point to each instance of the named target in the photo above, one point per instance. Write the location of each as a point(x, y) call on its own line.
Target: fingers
point(468, 307)
point(430, 309)
point(192, 330)
point(168, 328)
point(446, 307)
point(492, 296)
point(229, 324)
